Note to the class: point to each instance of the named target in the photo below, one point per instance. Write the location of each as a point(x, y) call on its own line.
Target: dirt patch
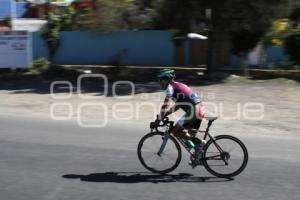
point(253, 106)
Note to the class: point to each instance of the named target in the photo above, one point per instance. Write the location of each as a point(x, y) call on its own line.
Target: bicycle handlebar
point(156, 123)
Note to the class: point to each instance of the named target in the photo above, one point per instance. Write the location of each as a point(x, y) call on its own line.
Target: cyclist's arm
point(172, 109)
point(164, 108)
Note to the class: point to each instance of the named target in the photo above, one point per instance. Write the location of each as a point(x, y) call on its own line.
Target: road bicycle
point(224, 156)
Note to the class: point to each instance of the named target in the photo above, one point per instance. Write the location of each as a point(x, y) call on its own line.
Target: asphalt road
point(50, 160)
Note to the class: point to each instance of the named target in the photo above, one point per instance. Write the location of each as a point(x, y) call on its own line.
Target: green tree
point(295, 17)
point(60, 19)
point(292, 41)
point(239, 23)
point(7, 22)
point(110, 15)
point(83, 19)
point(116, 15)
point(251, 21)
point(50, 33)
point(141, 15)
point(292, 46)
point(277, 34)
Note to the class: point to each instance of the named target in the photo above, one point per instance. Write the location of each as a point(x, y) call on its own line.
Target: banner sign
point(15, 49)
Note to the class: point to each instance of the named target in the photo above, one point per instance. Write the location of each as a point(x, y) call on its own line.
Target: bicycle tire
point(217, 139)
point(140, 155)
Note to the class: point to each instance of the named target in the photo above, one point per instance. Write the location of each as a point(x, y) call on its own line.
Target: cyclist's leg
point(184, 122)
point(196, 122)
point(200, 111)
point(179, 130)
point(199, 115)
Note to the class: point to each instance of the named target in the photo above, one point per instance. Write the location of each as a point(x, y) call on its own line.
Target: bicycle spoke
point(150, 148)
point(162, 160)
point(168, 149)
point(231, 151)
point(168, 157)
point(154, 142)
point(166, 161)
point(156, 159)
point(150, 155)
point(231, 159)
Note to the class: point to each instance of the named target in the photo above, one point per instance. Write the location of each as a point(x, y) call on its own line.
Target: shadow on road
point(135, 177)
point(143, 80)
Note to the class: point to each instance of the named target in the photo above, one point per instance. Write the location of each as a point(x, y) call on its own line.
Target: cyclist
point(188, 101)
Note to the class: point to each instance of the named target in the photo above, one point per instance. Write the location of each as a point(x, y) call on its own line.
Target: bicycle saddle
point(210, 118)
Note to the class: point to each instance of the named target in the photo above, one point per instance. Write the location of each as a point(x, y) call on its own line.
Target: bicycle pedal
point(192, 164)
point(199, 162)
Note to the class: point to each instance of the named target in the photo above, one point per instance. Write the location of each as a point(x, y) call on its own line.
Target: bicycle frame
point(170, 125)
point(211, 150)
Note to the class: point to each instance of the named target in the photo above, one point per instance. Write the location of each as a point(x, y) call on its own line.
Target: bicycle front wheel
point(151, 159)
point(225, 156)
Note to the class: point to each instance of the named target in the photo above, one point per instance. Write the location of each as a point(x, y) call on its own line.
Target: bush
point(292, 46)
point(40, 66)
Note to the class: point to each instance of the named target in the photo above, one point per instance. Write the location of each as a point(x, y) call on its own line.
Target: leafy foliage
point(120, 15)
point(249, 21)
point(108, 15)
point(237, 22)
point(277, 34)
point(40, 66)
point(244, 40)
point(82, 19)
point(50, 33)
point(292, 46)
point(7, 22)
point(60, 19)
point(241, 22)
point(292, 41)
point(295, 17)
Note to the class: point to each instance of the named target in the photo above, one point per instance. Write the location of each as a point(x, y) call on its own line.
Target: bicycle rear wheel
point(225, 157)
point(148, 149)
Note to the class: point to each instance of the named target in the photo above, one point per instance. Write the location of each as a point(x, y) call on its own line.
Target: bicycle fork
point(164, 143)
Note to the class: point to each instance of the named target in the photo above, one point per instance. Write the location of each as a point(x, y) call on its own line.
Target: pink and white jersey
point(180, 92)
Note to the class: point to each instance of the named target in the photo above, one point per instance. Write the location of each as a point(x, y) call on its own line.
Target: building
point(30, 14)
point(9, 8)
point(12, 9)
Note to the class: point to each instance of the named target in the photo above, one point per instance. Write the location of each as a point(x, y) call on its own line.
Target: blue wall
point(39, 50)
point(126, 48)
point(5, 9)
point(22, 8)
point(274, 56)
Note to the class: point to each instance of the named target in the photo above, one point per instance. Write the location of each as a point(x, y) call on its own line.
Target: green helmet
point(166, 73)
